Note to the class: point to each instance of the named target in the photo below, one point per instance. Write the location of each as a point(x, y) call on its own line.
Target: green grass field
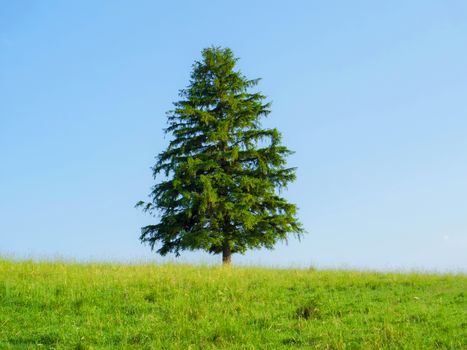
point(105, 306)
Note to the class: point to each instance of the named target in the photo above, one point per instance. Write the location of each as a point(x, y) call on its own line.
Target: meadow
point(53, 305)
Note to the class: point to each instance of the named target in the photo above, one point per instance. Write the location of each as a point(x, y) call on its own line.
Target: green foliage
point(97, 306)
point(223, 171)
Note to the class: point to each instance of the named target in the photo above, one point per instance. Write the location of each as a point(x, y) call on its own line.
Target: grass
point(105, 306)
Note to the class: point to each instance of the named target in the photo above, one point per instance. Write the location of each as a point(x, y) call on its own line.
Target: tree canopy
point(218, 183)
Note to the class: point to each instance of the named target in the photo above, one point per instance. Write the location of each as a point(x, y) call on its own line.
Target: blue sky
point(370, 95)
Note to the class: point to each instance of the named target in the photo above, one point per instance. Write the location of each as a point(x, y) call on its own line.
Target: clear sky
point(371, 95)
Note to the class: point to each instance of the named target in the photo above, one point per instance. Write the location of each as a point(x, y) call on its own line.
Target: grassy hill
point(104, 306)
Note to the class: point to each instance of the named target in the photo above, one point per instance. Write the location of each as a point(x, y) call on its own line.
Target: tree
point(222, 172)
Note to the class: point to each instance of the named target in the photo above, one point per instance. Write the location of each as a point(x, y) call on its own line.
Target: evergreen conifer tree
point(220, 177)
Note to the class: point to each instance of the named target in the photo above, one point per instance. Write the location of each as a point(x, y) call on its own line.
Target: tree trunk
point(226, 254)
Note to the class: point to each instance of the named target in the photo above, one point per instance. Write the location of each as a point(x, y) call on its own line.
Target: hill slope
point(98, 306)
